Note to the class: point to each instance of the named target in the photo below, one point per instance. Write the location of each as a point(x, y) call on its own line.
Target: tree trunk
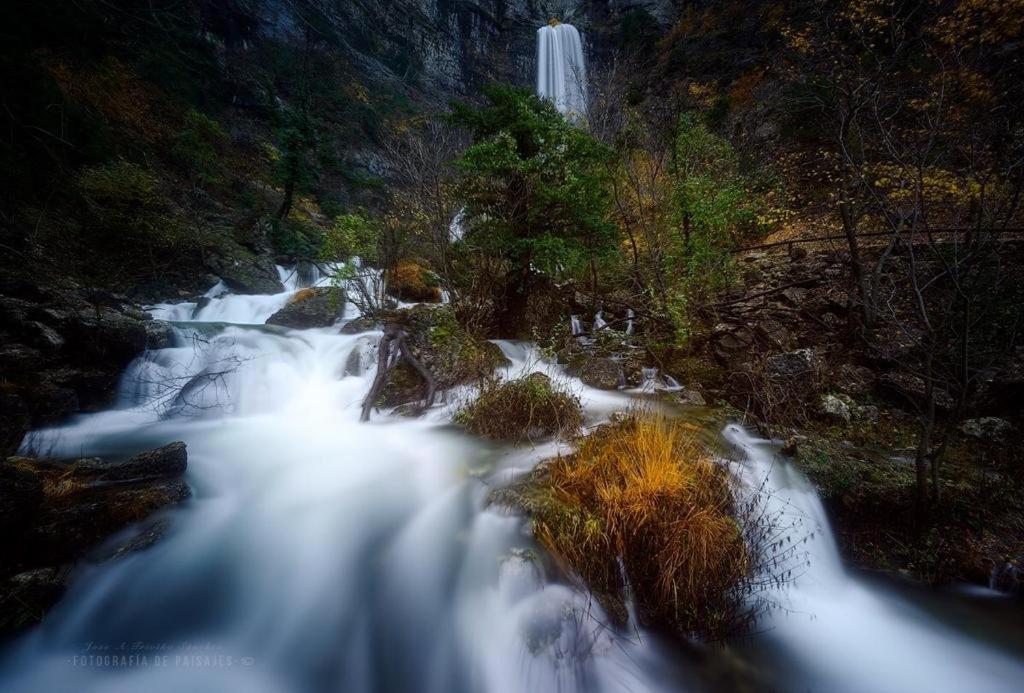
point(856, 265)
point(286, 203)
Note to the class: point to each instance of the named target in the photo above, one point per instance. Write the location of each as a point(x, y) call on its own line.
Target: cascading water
point(561, 71)
point(575, 326)
point(457, 229)
point(323, 554)
point(831, 631)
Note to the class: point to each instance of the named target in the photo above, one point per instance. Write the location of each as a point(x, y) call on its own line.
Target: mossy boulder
point(244, 271)
point(600, 372)
point(57, 513)
point(413, 282)
point(523, 408)
point(446, 349)
point(319, 307)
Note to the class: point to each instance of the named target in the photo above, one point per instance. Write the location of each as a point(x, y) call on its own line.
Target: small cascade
point(1006, 578)
point(630, 315)
point(561, 72)
point(656, 381)
point(599, 323)
point(576, 327)
point(457, 227)
point(307, 274)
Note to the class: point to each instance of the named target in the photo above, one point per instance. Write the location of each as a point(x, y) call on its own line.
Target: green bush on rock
point(522, 408)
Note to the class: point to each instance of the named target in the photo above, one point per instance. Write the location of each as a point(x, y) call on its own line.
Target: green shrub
point(526, 407)
point(125, 205)
point(197, 146)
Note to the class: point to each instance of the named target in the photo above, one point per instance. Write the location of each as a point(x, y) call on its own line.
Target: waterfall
point(577, 328)
point(599, 323)
point(630, 315)
point(457, 228)
point(561, 72)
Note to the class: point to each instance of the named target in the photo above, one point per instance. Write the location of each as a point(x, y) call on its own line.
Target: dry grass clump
point(410, 281)
point(642, 503)
point(526, 407)
point(301, 295)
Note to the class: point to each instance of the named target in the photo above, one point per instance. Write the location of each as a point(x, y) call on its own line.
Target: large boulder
point(411, 281)
point(599, 372)
point(63, 350)
point(319, 307)
point(790, 365)
point(56, 513)
point(991, 430)
point(446, 349)
point(245, 271)
point(169, 461)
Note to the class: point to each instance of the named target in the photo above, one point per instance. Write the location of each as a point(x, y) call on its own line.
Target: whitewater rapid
point(321, 554)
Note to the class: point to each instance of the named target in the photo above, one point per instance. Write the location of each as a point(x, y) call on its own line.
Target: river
point(322, 554)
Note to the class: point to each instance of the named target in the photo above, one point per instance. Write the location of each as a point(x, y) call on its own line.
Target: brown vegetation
point(410, 281)
point(642, 502)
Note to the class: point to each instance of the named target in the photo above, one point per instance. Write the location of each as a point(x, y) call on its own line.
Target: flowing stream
point(321, 554)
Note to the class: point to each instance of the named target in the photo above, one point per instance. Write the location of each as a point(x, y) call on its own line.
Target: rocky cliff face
point(435, 48)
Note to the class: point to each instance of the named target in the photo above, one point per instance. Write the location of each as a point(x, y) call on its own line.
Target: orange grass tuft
point(643, 490)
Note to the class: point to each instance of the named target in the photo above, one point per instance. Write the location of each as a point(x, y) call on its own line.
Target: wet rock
point(165, 462)
point(26, 597)
point(159, 334)
point(319, 307)
point(140, 541)
point(449, 353)
point(362, 358)
point(64, 512)
point(601, 373)
point(244, 271)
point(689, 397)
point(360, 325)
point(987, 429)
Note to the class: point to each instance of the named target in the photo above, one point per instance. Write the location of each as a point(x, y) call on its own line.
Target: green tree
point(536, 190)
point(714, 202)
point(295, 142)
